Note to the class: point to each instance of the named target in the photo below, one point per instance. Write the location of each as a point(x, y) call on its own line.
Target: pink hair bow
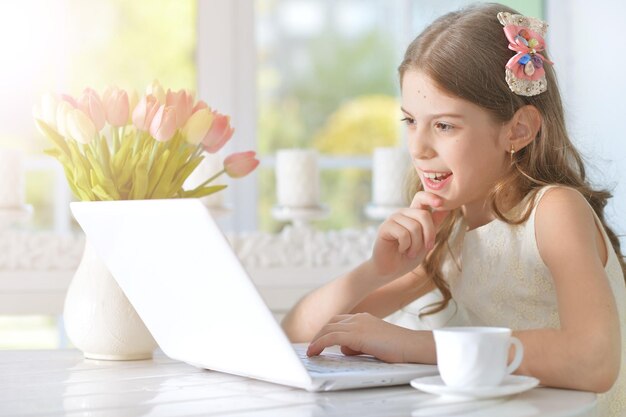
point(528, 62)
point(525, 72)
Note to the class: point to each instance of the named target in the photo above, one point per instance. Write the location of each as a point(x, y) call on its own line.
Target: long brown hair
point(465, 53)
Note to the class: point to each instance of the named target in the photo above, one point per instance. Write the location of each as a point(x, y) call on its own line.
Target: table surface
point(63, 383)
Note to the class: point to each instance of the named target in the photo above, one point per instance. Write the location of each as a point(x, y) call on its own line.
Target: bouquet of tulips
point(121, 147)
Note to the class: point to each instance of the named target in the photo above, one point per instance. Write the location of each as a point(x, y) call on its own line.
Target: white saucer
point(512, 384)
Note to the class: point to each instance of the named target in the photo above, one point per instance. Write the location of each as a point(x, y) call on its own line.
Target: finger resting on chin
point(425, 200)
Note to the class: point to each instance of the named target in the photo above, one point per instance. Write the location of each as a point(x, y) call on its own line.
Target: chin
point(449, 204)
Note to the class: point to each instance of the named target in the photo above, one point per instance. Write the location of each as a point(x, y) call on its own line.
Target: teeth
point(436, 175)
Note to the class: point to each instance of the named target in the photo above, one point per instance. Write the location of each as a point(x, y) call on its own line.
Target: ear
point(523, 127)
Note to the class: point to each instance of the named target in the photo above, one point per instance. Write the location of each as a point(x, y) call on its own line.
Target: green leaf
point(101, 193)
point(84, 196)
point(163, 185)
point(105, 157)
point(183, 173)
point(80, 169)
point(54, 136)
point(53, 152)
point(118, 162)
point(202, 191)
point(156, 152)
point(77, 158)
point(94, 165)
point(140, 181)
point(101, 181)
point(176, 165)
point(125, 179)
point(72, 183)
point(81, 183)
point(81, 179)
point(157, 171)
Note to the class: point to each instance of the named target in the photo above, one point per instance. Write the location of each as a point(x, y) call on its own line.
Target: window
point(327, 80)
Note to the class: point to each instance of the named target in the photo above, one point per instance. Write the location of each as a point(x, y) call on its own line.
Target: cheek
point(481, 163)
point(464, 157)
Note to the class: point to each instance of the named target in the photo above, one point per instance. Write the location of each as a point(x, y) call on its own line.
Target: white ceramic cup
point(475, 356)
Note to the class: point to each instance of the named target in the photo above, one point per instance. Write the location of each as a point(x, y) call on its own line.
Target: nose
point(420, 146)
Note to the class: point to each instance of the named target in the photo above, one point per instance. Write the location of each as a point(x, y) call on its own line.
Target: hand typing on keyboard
point(363, 333)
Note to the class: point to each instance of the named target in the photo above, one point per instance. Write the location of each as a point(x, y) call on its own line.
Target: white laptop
point(183, 278)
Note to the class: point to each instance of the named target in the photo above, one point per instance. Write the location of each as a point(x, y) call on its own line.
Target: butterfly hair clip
point(525, 72)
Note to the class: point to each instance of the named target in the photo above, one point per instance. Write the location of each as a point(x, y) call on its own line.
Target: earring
point(512, 151)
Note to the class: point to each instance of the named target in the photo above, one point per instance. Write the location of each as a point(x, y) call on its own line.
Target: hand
point(405, 238)
point(363, 333)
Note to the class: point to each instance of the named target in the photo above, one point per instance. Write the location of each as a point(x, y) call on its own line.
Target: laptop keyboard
point(331, 363)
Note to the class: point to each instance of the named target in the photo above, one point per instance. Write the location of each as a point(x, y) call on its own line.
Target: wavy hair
point(465, 53)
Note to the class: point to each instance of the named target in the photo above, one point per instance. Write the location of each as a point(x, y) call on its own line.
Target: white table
point(61, 383)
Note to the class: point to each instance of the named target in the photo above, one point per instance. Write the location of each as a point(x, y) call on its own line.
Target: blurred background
point(318, 74)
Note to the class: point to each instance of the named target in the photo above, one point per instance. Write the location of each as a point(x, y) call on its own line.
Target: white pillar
point(226, 76)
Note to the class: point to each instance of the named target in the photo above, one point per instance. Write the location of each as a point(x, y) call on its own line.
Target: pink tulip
point(182, 101)
point(145, 111)
point(163, 125)
point(240, 164)
point(80, 126)
point(70, 100)
point(199, 106)
point(219, 133)
point(156, 89)
point(116, 105)
point(89, 102)
point(197, 126)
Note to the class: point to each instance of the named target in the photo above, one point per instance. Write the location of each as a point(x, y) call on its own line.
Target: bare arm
point(337, 297)
point(585, 352)
point(349, 294)
point(402, 243)
point(397, 294)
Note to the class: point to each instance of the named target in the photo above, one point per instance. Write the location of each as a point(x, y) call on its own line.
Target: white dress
point(498, 278)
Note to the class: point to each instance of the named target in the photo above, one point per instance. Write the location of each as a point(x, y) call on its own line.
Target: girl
point(503, 221)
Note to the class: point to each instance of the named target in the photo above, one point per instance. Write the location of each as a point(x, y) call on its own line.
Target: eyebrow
point(438, 115)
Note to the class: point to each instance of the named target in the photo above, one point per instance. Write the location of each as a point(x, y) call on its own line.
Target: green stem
point(155, 146)
point(138, 139)
point(211, 179)
point(114, 138)
point(197, 152)
point(93, 146)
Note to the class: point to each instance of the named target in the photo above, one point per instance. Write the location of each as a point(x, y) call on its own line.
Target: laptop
point(184, 280)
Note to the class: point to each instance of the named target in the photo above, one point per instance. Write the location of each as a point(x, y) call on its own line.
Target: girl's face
point(458, 150)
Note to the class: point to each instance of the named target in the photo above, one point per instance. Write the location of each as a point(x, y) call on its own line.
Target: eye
point(443, 127)
point(408, 121)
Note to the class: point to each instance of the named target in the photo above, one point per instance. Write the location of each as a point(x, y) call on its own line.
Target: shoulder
point(565, 226)
point(556, 201)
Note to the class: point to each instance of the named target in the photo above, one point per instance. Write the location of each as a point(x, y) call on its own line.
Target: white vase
point(99, 319)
